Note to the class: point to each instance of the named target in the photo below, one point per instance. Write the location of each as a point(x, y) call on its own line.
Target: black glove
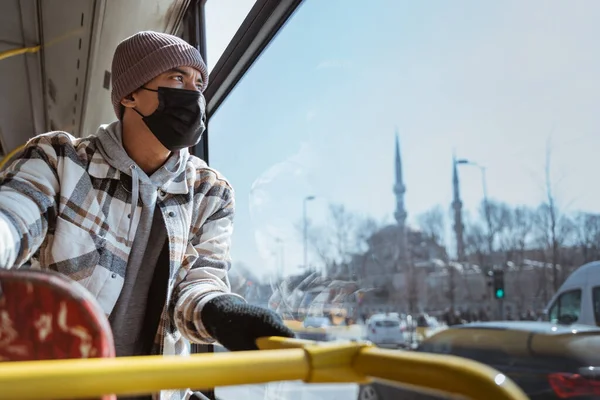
point(236, 324)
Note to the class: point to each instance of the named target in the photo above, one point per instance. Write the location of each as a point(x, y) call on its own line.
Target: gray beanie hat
point(145, 55)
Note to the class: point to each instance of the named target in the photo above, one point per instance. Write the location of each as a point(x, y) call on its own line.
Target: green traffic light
point(499, 293)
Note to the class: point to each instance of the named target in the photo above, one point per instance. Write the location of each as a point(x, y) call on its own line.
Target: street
point(288, 391)
point(297, 390)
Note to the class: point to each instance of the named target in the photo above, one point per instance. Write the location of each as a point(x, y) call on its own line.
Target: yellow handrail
point(285, 359)
point(34, 49)
point(10, 155)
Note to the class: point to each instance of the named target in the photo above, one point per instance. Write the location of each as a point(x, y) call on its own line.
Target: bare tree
point(555, 232)
point(476, 244)
point(553, 227)
point(514, 235)
point(343, 236)
point(551, 211)
point(495, 214)
point(587, 236)
point(523, 220)
point(433, 225)
point(365, 229)
point(497, 217)
point(320, 243)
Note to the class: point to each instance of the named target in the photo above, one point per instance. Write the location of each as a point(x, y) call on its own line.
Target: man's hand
point(236, 324)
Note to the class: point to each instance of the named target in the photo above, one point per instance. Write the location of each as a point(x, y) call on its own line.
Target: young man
point(132, 216)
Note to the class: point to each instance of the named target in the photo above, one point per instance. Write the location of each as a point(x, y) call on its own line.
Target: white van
point(578, 299)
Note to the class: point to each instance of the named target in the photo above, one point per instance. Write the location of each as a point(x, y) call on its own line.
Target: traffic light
point(498, 279)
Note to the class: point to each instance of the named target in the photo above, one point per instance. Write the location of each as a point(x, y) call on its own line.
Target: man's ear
point(128, 101)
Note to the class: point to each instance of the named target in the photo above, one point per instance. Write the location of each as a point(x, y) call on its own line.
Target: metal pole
point(486, 210)
point(486, 206)
point(492, 311)
point(285, 360)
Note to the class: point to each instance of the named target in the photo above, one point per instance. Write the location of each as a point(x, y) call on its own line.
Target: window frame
point(596, 290)
point(259, 28)
point(194, 32)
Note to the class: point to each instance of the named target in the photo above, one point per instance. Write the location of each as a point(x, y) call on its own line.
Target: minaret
point(457, 206)
point(400, 214)
point(399, 188)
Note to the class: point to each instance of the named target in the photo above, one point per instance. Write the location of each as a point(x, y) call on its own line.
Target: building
point(398, 259)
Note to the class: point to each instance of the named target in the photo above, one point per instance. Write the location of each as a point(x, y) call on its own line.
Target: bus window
point(361, 125)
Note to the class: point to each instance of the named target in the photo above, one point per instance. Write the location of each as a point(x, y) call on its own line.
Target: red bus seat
point(46, 316)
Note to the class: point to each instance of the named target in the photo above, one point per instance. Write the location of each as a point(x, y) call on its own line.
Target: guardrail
point(278, 360)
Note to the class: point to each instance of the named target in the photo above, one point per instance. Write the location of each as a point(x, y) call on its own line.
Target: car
point(427, 326)
point(315, 328)
point(548, 361)
point(386, 330)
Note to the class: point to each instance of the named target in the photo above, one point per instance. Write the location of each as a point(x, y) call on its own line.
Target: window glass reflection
point(386, 158)
point(315, 124)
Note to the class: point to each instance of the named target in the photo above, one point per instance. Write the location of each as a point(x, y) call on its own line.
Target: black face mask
point(178, 122)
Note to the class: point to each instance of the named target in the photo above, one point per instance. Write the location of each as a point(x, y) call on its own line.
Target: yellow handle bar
point(10, 155)
point(286, 359)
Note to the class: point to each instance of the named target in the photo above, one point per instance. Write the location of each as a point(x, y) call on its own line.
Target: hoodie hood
point(169, 177)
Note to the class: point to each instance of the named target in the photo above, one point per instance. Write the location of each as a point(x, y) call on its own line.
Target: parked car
point(546, 360)
point(386, 330)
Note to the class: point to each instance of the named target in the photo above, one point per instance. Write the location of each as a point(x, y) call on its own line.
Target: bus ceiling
point(55, 60)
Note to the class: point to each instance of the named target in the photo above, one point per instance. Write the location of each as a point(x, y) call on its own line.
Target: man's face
point(146, 101)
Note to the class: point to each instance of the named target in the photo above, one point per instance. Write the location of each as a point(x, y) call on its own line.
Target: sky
point(494, 82)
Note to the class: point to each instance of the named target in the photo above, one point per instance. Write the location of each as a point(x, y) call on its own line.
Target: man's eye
point(179, 78)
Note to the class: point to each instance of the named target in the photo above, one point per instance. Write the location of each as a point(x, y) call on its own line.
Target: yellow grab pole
point(282, 360)
point(34, 49)
point(438, 373)
point(442, 374)
point(89, 378)
point(16, 52)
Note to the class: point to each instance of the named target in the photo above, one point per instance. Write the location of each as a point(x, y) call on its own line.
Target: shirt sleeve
point(208, 277)
point(28, 190)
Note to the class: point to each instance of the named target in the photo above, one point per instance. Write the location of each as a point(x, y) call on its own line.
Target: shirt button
point(113, 276)
point(172, 214)
point(129, 216)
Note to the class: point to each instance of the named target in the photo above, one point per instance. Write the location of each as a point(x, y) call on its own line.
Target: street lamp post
point(486, 210)
point(306, 199)
point(486, 204)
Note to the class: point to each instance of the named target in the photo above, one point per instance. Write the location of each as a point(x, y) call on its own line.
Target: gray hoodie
point(127, 317)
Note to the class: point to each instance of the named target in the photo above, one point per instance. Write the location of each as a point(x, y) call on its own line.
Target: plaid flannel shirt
point(64, 208)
